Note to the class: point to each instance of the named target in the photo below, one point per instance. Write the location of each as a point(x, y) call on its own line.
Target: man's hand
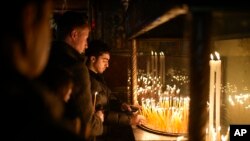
point(137, 119)
point(100, 114)
point(126, 107)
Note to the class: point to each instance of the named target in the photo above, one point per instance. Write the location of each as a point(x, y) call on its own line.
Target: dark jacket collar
point(60, 47)
point(63, 52)
point(96, 76)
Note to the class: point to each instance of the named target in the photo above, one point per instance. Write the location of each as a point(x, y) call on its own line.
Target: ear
point(74, 34)
point(92, 59)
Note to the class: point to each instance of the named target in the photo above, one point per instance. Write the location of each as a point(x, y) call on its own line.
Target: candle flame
point(217, 55)
point(211, 57)
point(96, 93)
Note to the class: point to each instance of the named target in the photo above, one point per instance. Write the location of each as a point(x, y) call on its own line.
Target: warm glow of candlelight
point(165, 107)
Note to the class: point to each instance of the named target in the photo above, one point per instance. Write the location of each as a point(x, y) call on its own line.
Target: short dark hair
point(68, 21)
point(96, 48)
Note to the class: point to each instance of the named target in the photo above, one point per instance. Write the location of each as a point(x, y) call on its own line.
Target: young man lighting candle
point(115, 111)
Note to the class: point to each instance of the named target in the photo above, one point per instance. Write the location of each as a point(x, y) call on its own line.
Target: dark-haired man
point(115, 111)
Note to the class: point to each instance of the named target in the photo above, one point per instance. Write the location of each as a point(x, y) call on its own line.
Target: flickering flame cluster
point(163, 106)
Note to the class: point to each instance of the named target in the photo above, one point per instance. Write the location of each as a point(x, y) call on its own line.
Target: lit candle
point(95, 98)
point(211, 97)
point(156, 64)
point(217, 91)
point(148, 65)
point(163, 69)
point(214, 94)
point(152, 62)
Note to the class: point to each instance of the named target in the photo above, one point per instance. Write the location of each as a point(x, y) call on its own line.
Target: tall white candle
point(156, 64)
point(214, 96)
point(148, 66)
point(95, 99)
point(163, 69)
point(160, 69)
point(218, 94)
point(211, 97)
point(152, 62)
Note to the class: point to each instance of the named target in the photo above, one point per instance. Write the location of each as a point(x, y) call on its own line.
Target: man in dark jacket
point(67, 52)
point(118, 114)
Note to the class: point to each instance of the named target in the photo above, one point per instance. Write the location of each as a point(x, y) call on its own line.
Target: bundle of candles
point(156, 65)
point(169, 114)
point(163, 106)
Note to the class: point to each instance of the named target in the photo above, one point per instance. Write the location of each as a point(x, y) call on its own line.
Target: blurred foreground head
point(25, 36)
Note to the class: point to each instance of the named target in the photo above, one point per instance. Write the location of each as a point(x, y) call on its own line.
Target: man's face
point(101, 63)
point(81, 43)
